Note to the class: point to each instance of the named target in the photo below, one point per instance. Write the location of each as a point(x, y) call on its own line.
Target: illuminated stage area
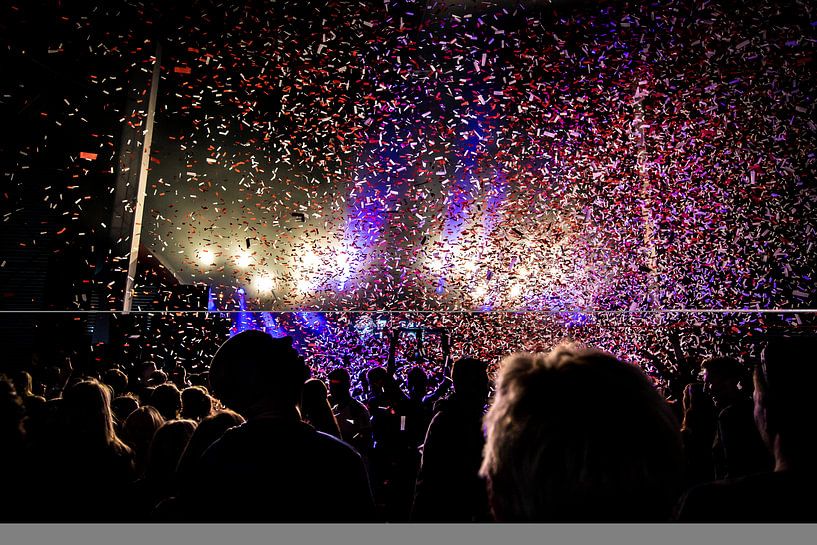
point(541, 158)
point(614, 166)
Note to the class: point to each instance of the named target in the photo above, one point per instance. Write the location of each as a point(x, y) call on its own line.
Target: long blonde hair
point(87, 406)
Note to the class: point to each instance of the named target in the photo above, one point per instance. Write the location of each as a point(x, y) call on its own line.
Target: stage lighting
point(264, 284)
point(344, 269)
point(516, 291)
point(207, 257)
point(436, 264)
point(304, 286)
point(309, 259)
point(243, 260)
point(342, 259)
point(479, 292)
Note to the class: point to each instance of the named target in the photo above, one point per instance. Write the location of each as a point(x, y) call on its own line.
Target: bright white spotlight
point(479, 292)
point(522, 271)
point(303, 286)
point(243, 260)
point(436, 264)
point(264, 284)
point(342, 259)
point(516, 290)
point(310, 260)
point(207, 257)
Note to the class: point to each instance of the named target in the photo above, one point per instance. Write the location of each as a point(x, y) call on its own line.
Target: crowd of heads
point(572, 434)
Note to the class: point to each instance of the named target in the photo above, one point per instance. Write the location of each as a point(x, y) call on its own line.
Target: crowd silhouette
point(575, 434)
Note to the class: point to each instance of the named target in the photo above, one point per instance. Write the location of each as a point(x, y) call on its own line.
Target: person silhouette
point(785, 412)
point(449, 488)
point(273, 467)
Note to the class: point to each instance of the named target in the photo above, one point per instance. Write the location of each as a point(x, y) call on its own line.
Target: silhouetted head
point(117, 380)
point(315, 408)
point(139, 427)
point(196, 403)
point(167, 399)
point(315, 391)
point(155, 378)
point(579, 435)
point(785, 410)
point(197, 379)
point(339, 383)
point(122, 406)
point(417, 382)
point(722, 379)
point(23, 383)
point(470, 378)
point(208, 432)
point(87, 409)
point(254, 372)
point(698, 408)
point(166, 449)
point(376, 378)
point(363, 379)
point(178, 375)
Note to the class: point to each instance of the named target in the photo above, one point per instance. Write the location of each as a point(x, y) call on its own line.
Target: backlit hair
point(579, 435)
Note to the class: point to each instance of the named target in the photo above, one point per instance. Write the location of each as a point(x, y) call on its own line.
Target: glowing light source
point(344, 269)
point(516, 290)
point(479, 292)
point(436, 264)
point(309, 259)
point(303, 286)
point(264, 284)
point(243, 260)
point(342, 259)
point(206, 257)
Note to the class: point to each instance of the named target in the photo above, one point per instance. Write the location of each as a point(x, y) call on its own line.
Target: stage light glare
point(303, 286)
point(516, 290)
point(207, 257)
point(479, 292)
point(243, 260)
point(342, 259)
point(522, 271)
point(436, 264)
point(264, 284)
point(310, 259)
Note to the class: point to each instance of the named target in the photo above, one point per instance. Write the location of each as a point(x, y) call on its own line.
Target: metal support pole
point(139, 209)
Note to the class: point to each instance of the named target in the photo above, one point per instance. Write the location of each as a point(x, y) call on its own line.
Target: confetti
point(631, 160)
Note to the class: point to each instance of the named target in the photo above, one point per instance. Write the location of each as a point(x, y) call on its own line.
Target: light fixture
point(436, 264)
point(309, 259)
point(304, 286)
point(206, 257)
point(243, 260)
point(342, 259)
point(264, 284)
